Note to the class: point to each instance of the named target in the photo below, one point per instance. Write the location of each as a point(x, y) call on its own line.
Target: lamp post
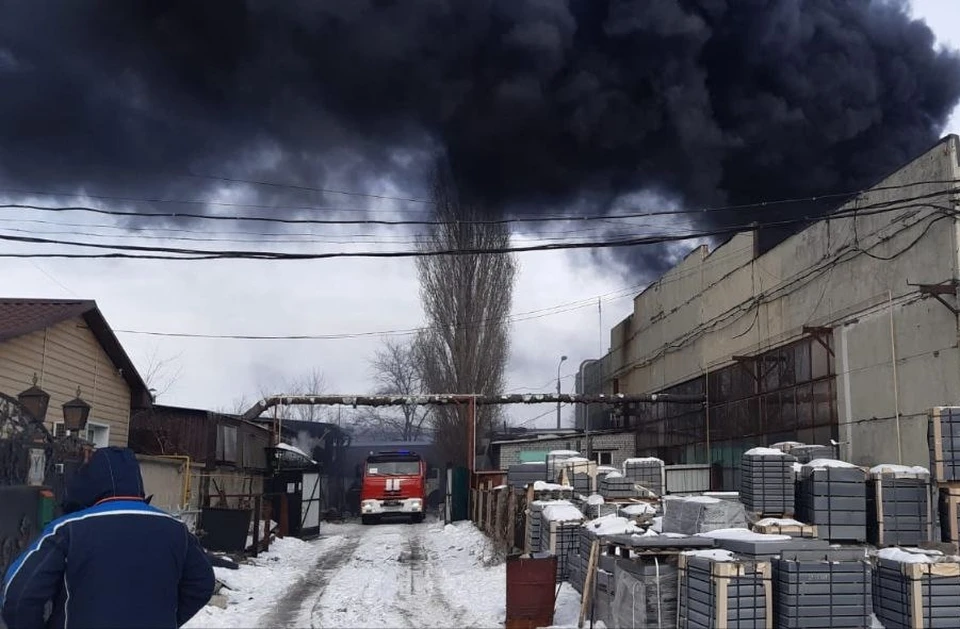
point(562, 358)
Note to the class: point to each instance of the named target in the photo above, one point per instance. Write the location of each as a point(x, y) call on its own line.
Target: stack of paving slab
point(645, 594)
point(578, 472)
point(560, 527)
point(603, 470)
point(747, 543)
point(832, 587)
point(898, 506)
point(805, 453)
point(690, 515)
point(594, 506)
point(832, 495)
point(943, 436)
point(553, 459)
point(719, 589)
point(615, 486)
point(786, 446)
point(591, 531)
point(523, 474)
point(535, 523)
point(914, 588)
point(639, 512)
point(646, 471)
point(766, 482)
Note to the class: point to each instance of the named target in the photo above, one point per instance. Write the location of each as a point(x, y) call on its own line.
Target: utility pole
point(562, 358)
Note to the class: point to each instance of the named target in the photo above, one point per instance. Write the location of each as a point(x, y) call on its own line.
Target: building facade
point(66, 345)
point(607, 448)
point(846, 331)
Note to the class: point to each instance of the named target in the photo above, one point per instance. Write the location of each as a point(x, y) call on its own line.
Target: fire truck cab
point(394, 483)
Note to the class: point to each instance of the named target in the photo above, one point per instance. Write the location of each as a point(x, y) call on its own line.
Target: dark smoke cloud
point(536, 103)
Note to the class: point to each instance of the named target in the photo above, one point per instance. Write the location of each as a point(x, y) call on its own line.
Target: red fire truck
point(394, 483)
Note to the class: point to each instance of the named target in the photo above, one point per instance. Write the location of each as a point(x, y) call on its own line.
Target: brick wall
point(621, 445)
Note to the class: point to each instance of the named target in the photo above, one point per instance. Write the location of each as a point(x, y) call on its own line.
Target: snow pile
point(612, 525)
point(253, 589)
point(779, 522)
point(567, 611)
point(542, 485)
point(562, 511)
point(764, 452)
point(595, 499)
point(910, 555)
point(638, 460)
point(822, 464)
point(656, 524)
point(890, 468)
point(745, 535)
point(640, 508)
point(295, 450)
point(717, 554)
point(614, 474)
point(563, 453)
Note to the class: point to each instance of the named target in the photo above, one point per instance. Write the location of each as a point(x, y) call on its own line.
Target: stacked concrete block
point(615, 486)
point(603, 470)
point(766, 482)
point(949, 511)
point(785, 446)
point(523, 474)
point(645, 593)
point(719, 590)
point(825, 588)
point(916, 589)
point(807, 453)
point(646, 471)
point(898, 506)
point(560, 527)
point(594, 506)
point(553, 459)
point(943, 438)
point(598, 529)
point(534, 525)
point(761, 546)
point(579, 473)
point(832, 495)
point(690, 515)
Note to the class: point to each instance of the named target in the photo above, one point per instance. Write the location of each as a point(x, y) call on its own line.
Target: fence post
point(257, 506)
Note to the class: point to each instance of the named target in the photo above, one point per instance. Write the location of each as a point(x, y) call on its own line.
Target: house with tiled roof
point(68, 345)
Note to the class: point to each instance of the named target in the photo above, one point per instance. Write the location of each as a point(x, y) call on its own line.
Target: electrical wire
point(195, 254)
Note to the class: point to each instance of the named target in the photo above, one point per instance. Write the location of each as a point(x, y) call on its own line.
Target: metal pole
point(562, 358)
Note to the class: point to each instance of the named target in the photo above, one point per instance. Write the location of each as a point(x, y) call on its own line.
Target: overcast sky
point(555, 307)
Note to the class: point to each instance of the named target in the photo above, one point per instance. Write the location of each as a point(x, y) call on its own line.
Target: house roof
point(19, 317)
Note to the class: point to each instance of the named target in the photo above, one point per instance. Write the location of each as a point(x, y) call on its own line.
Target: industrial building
point(846, 331)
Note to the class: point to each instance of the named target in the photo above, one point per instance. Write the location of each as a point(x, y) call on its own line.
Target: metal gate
point(310, 504)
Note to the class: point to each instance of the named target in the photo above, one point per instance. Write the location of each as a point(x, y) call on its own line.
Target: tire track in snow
point(311, 586)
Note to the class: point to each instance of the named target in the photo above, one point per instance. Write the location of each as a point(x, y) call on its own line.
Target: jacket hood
point(110, 473)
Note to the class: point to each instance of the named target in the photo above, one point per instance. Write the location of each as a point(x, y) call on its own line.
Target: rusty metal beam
point(818, 333)
point(456, 398)
point(937, 291)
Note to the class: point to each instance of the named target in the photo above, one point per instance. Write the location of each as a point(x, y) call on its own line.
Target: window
point(96, 433)
point(603, 458)
point(393, 468)
point(226, 443)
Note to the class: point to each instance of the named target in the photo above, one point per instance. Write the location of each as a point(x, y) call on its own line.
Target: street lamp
point(75, 413)
point(35, 400)
point(562, 358)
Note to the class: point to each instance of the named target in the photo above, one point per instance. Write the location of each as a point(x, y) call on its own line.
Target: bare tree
point(396, 372)
point(466, 299)
point(161, 373)
point(313, 382)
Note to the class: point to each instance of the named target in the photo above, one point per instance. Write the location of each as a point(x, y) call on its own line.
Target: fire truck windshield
point(393, 468)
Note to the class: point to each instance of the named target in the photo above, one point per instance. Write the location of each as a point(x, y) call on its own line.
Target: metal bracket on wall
point(820, 334)
point(756, 373)
point(937, 291)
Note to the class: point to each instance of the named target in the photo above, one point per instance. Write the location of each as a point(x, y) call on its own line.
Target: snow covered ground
point(388, 575)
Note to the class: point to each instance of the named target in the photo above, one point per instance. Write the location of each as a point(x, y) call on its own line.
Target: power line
point(200, 254)
point(502, 221)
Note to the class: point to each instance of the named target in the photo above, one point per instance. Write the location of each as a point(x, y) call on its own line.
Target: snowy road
point(396, 575)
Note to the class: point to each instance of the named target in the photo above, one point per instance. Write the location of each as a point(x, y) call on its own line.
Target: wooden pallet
point(793, 530)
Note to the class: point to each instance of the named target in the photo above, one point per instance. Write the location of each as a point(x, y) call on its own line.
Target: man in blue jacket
point(112, 561)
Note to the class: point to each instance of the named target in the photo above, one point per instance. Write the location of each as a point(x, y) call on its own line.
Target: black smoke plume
point(538, 105)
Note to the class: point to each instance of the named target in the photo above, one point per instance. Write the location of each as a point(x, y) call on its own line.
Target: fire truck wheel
point(417, 518)
point(368, 519)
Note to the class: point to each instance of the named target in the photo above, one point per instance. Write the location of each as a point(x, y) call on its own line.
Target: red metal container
point(531, 597)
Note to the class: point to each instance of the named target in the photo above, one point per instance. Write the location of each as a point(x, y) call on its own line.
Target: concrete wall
point(848, 274)
point(164, 479)
point(65, 356)
point(622, 446)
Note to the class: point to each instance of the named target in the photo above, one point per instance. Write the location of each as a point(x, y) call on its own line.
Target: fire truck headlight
point(416, 504)
point(367, 505)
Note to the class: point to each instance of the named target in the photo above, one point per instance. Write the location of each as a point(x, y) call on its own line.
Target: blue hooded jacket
point(112, 561)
